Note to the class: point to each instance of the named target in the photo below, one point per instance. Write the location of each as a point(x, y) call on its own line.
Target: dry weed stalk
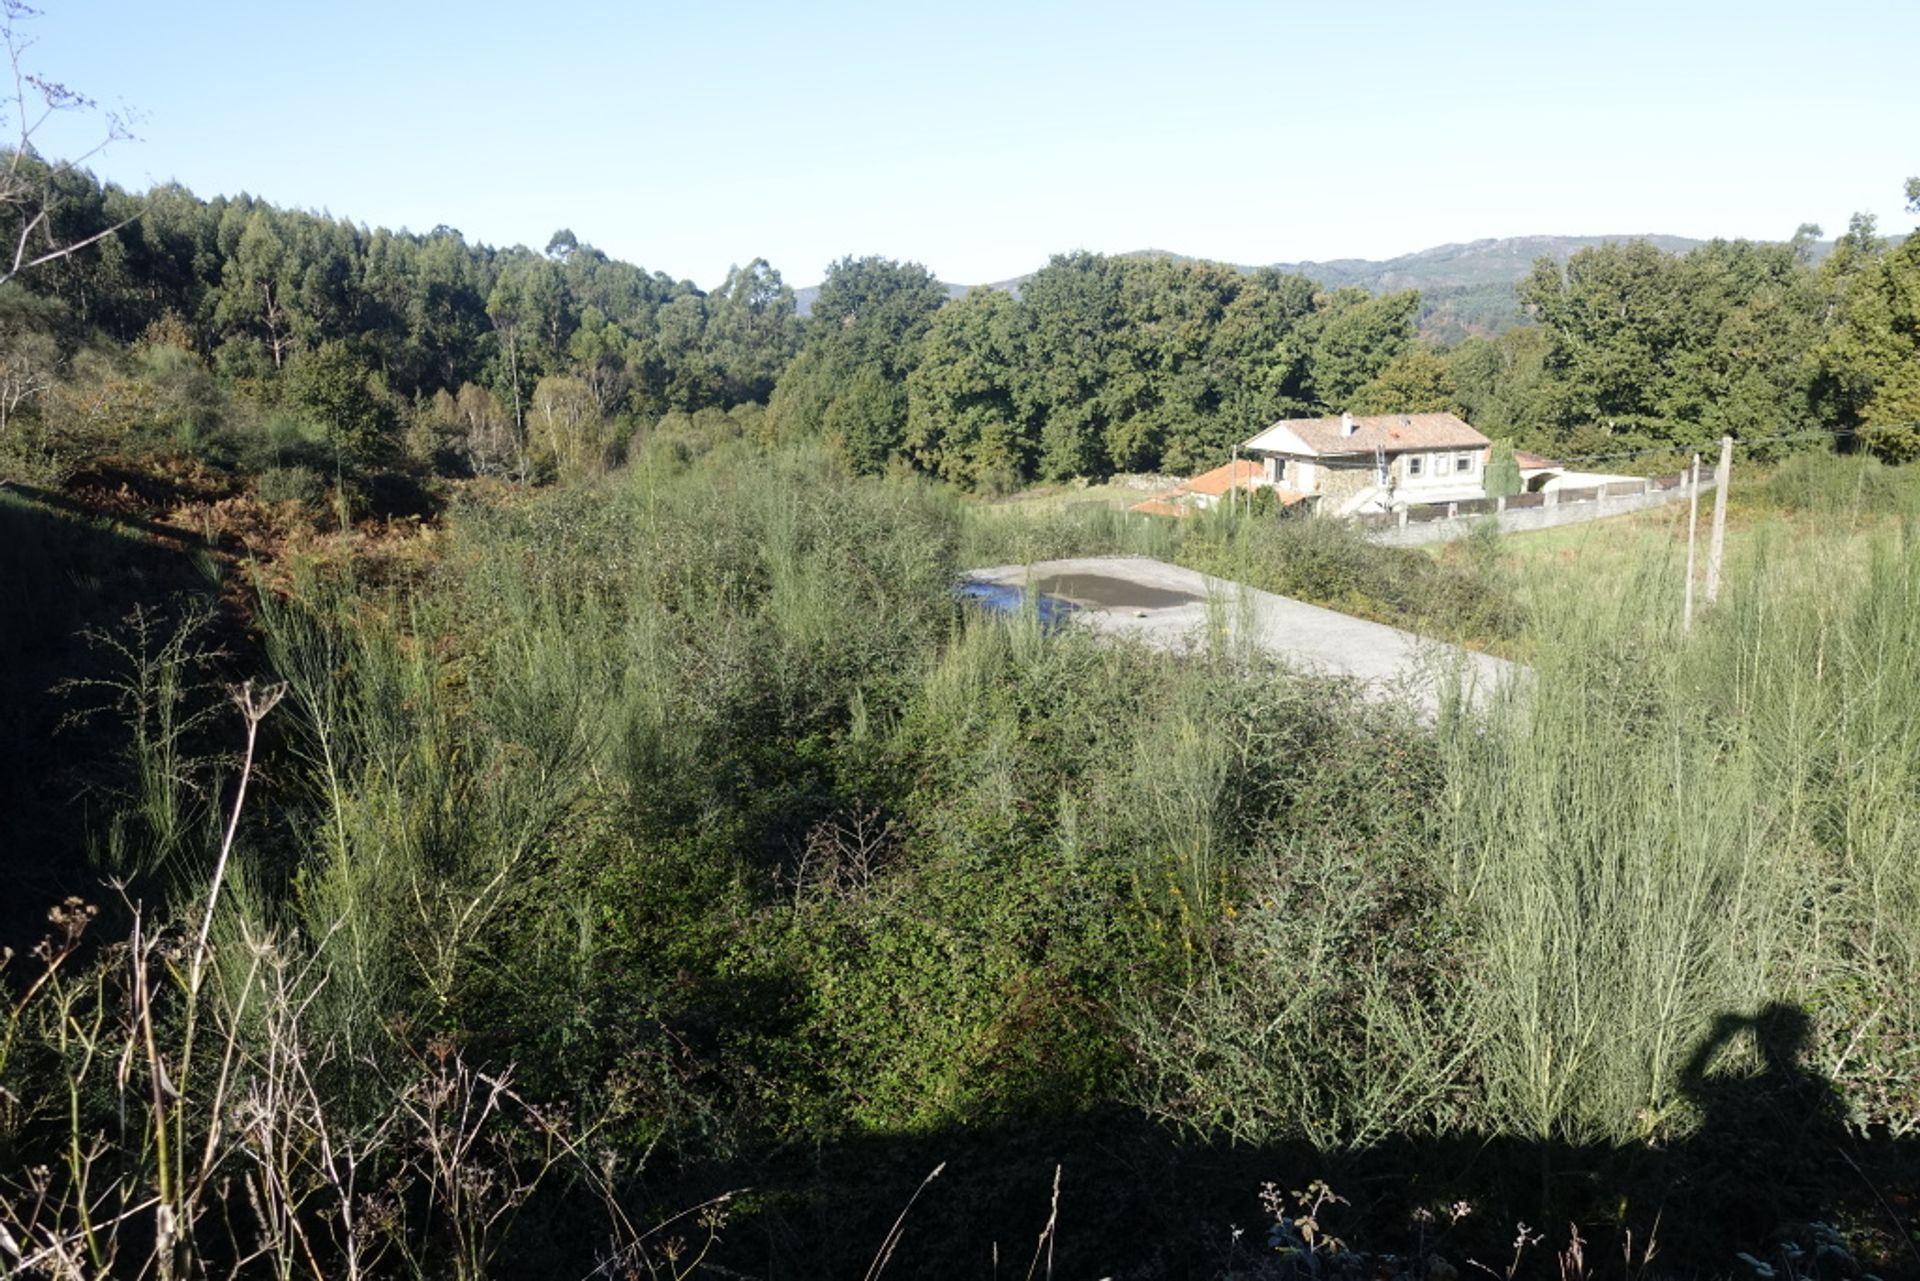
point(843, 853)
point(220, 1148)
point(472, 1164)
point(1044, 1246)
point(892, 1242)
point(307, 1162)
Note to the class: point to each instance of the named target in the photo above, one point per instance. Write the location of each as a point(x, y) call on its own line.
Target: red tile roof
point(1160, 507)
point(1241, 474)
point(1534, 462)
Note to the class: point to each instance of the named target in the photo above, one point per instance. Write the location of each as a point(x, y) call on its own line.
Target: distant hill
point(1465, 288)
point(1478, 262)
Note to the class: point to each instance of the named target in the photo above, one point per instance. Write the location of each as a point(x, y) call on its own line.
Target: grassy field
point(1834, 510)
point(1046, 498)
point(1621, 539)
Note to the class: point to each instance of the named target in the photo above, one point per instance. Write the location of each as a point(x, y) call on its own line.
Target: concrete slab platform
point(1177, 608)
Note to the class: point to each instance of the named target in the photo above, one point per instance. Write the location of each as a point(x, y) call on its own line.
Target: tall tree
point(1074, 302)
point(1355, 337)
point(865, 334)
point(1503, 388)
point(332, 384)
point(1262, 350)
point(1417, 381)
point(968, 418)
point(527, 306)
point(752, 332)
point(258, 287)
point(1868, 368)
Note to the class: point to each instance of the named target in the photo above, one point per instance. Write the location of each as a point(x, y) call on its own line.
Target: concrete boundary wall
point(1411, 528)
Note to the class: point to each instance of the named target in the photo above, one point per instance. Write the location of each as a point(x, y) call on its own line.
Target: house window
point(1413, 465)
point(1464, 463)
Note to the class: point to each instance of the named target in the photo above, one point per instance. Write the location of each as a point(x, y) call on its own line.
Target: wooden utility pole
point(1693, 522)
point(1717, 542)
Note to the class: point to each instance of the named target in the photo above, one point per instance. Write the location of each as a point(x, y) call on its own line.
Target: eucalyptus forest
point(497, 780)
point(246, 330)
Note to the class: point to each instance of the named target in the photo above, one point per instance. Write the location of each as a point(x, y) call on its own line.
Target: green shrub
point(1830, 484)
point(290, 485)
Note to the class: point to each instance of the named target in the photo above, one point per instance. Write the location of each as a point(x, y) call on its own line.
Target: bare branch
point(34, 101)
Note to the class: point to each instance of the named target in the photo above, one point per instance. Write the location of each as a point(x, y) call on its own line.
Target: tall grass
point(1840, 487)
point(1658, 830)
point(1674, 827)
point(692, 801)
point(1603, 844)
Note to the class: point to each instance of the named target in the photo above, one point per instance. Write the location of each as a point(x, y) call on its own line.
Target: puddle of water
point(1104, 591)
point(998, 598)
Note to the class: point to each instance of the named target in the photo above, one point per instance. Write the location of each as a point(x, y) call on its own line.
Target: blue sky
point(980, 137)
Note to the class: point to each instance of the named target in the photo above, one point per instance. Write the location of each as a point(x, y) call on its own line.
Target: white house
point(1373, 463)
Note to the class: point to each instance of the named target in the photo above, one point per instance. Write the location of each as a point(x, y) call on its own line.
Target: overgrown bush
point(289, 485)
point(681, 826)
point(1830, 484)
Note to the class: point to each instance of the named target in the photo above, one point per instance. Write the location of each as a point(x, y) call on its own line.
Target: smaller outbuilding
point(1209, 489)
point(1540, 475)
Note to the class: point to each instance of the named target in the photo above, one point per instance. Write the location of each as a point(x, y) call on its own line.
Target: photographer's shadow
point(1772, 1140)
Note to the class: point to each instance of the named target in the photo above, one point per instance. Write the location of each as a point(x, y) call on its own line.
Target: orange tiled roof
point(1160, 507)
point(1239, 474)
point(1533, 462)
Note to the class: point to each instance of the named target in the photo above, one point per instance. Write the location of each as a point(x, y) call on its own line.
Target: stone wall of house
point(1341, 481)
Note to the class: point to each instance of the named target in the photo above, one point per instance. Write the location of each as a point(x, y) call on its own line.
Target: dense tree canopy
point(265, 296)
point(850, 383)
point(1868, 367)
point(397, 346)
point(970, 413)
point(1644, 349)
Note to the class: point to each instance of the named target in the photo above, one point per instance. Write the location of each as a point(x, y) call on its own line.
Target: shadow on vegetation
point(1770, 1172)
point(66, 571)
point(55, 505)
